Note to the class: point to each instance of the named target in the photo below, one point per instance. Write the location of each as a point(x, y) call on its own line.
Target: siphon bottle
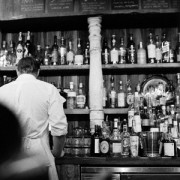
point(115, 141)
point(71, 97)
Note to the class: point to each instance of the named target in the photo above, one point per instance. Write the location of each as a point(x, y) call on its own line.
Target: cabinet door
point(150, 176)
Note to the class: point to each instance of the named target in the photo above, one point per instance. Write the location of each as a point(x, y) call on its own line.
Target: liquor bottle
point(112, 94)
point(3, 54)
point(145, 120)
point(105, 52)
point(79, 54)
point(70, 54)
point(95, 142)
point(122, 52)
point(54, 52)
point(71, 97)
point(134, 141)
point(115, 141)
point(11, 54)
point(174, 129)
point(19, 48)
point(104, 142)
point(165, 48)
point(177, 92)
point(158, 50)
point(153, 118)
point(47, 56)
point(28, 47)
point(129, 94)
point(151, 49)
point(87, 53)
point(62, 51)
point(141, 54)
point(121, 99)
point(130, 116)
point(178, 49)
point(169, 145)
point(131, 50)
point(114, 53)
point(39, 54)
point(80, 98)
point(125, 140)
point(104, 99)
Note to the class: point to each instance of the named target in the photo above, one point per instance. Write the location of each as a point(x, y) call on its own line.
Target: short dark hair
point(28, 65)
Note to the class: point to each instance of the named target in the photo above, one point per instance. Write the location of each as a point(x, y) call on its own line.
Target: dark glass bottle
point(95, 142)
point(165, 48)
point(47, 56)
point(62, 51)
point(122, 52)
point(11, 54)
point(19, 48)
point(39, 54)
point(131, 51)
point(79, 54)
point(28, 47)
point(105, 52)
point(54, 52)
point(87, 53)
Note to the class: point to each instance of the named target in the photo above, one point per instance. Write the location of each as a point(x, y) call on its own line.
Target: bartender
point(38, 105)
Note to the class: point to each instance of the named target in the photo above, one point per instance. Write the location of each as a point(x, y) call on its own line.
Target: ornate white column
point(95, 75)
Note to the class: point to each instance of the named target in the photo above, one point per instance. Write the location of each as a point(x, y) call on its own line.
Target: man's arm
point(58, 145)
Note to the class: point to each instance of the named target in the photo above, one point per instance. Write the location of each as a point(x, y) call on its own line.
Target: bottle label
point(96, 146)
point(81, 99)
point(70, 57)
point(151, 51)
point(114, 56)
point(138, 127)
point(130, 117)
point(130, 99)
point(134, 145)
point(121, 99)
point(19, 52)
point(113, 98)
point(78, 60)
point(169, 149)
point(158, 54)
point(104, 147)
point(116, 147)
point(141, 56)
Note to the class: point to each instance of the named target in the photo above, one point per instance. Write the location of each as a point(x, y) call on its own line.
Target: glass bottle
point(3, 54)
point(19, 48)
point(151, 49)
point(95, 142)
point(125, 136)
point(134, 141)
point(39, 54)
point(87, 53)
point(178, 49)
point(122, 52)
point(158, 50)
point(70, 54)
point(105, 52)
point(169, 145)
point(80, 98)
point(71, 97)
point(114, 53)
point(177, 92)
point(112, 94)
point(11, 54)
point(129, 95)
point(79, 54)
point(104, 96)
point(54, 52)
point(165, 48)
point(131, 50)
point(115, 141)
point(62, 51)
point(141, 54)
point(47, 56)
point(121, 102)
point(28, 47)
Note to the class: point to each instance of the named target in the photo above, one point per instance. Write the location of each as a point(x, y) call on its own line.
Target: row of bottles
point(155, 51)
point(11, 53)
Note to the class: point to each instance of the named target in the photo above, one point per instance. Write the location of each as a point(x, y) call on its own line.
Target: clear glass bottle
point(121, 96)
point(80, 98)
point(104, 99)
point(125, 136)
point(122, 52)
point(151, 49)
point(158, 49)
point(114, 53)
point(3, 54)
point(28, 47)
point(115, 141)
point(112, 94)
point(55, 52)
point(105, 52)
point(129, 94)
point(11, 54)
point(134, 141)
point(141, 54)
point(165, 48)
point(71, 97)
point(19, 48)
point(62, 51)
point(47, 56)
point(87, 53)
point(70, 54)
point(39, 54)
point(131, 50)
point(79, 58)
